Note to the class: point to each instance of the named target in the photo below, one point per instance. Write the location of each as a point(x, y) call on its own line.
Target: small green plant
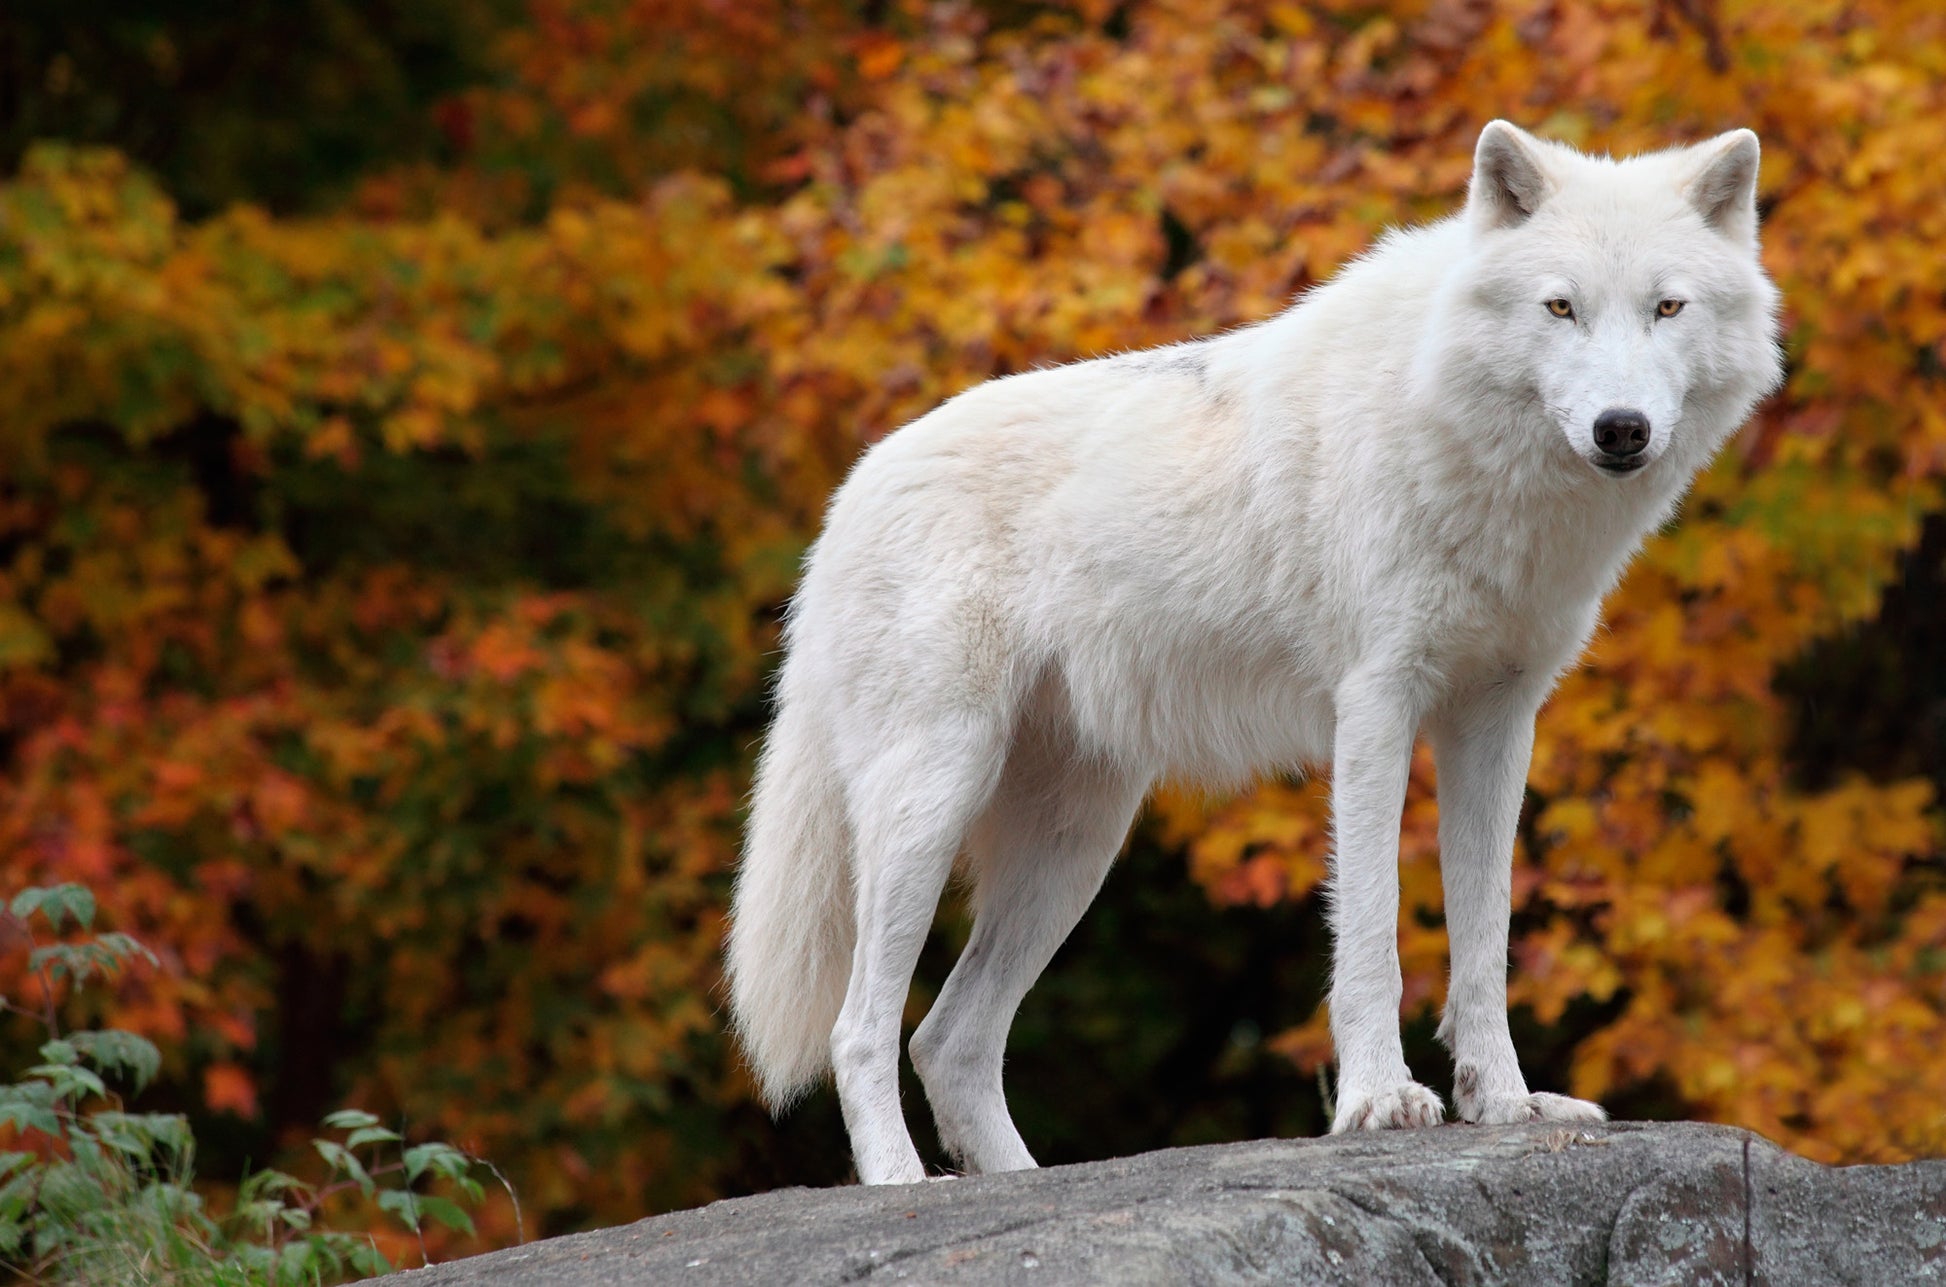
point(94, 1194)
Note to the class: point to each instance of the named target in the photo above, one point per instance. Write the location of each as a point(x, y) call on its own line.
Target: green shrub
point(94, 1194)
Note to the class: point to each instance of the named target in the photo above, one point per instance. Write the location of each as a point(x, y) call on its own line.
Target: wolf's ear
point(1724, 187)
point(1509, 179)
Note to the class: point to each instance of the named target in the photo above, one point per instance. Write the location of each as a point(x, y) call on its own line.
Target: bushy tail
point(791, 930)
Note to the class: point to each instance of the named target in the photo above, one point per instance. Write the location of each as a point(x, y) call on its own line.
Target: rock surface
point(1541, 1204)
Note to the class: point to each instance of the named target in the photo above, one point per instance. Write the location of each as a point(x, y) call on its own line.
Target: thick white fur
point(1371, 516)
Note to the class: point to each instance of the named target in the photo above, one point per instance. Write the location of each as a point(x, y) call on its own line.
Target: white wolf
point(1393, 508)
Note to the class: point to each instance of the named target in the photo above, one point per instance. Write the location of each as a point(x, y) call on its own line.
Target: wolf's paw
point(1398, 1108)
point(1501, 1110)
point(1475, 1103)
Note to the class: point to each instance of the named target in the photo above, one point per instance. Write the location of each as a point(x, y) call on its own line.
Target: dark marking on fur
point(1188, 361)
point(1466, 1085)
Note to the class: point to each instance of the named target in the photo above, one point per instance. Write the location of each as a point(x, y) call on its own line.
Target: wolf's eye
point(1561, 308)
point(1668, 308)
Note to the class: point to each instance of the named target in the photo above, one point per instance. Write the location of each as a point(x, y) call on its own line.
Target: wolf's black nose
point(1620, 432)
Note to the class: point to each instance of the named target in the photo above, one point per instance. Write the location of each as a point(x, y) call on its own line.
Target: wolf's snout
point(1621, 432)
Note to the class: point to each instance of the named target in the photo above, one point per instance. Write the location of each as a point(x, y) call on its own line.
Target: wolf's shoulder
point(1404, 257)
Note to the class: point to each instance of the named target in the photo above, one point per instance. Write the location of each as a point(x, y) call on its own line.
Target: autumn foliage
point(386, 592)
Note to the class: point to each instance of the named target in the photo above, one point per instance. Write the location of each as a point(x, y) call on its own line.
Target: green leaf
point(131, 1144)
point(148, 1134)
point(124, 947)
point(117, 1051)
point(441, 1159)
point(56, 904)
point(447, 1212)
point(261, 1185)
point(60, 1052)
point(60, 1076)
point(402, 1203)
point(256, 1215)
point(79, 901)
point(56, 956)
point(340, 1159)
point(68, 960)
point(70, 1081)
point(31, 1117)
point(367, 1260)
point(347, 1119)
point(370, 1135)
point(300, 1262)
point(17, 1194)
point(27, 1092)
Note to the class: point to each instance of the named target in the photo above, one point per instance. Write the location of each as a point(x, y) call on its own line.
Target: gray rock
point(1621, 1203)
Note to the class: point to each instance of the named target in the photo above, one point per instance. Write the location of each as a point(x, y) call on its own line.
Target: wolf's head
point(1618, 304)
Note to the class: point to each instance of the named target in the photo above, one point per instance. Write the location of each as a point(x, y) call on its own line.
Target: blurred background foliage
point(412, 413)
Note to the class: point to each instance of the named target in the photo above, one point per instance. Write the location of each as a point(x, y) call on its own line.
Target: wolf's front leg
point(1482, 755)
point(1371, 760)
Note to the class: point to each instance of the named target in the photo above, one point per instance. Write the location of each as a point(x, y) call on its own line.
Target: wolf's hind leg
point(1040, 853)
point(911, 804)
